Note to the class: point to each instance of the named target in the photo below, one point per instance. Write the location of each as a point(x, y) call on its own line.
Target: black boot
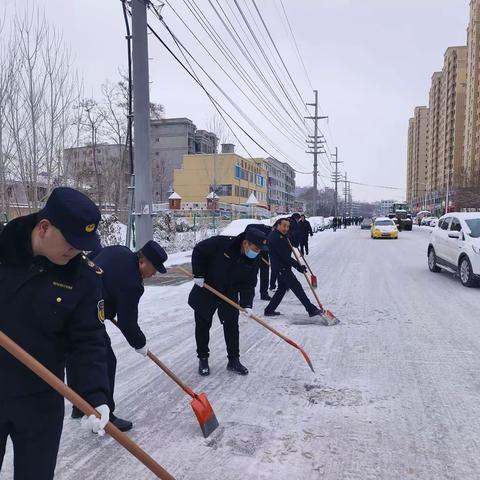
point(271, 314)
point(314, 313)
point(235, 366)
point(203, 367)
point(122, 425)
point(76, 413)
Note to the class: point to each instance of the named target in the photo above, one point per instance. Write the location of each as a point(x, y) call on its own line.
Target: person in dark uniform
point(294, 232)
point(51, 301)
point(282, 262)
point(230, 265)
point(122, 285)
point(305, 232)
point(264, 265)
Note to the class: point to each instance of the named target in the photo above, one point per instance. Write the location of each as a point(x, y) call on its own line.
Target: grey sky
point(370, 60)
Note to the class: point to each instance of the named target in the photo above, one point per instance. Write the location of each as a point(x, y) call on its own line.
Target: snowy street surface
point(396, 393)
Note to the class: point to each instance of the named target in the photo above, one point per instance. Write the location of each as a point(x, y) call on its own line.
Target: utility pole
point(336, 179)
point(345, 191)
point(141, 107)
point(314, 144)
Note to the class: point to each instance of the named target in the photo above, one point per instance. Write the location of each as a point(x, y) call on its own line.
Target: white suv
point(455, 245)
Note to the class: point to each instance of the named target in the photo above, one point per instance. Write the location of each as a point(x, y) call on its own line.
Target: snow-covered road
point(396, 393)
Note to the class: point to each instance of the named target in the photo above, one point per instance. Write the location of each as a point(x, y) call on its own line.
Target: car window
point(384, 222)
point(474, 226)
point(455, 225)
point(445, 223)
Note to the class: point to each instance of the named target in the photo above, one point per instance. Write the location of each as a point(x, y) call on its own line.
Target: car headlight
point(476, 249)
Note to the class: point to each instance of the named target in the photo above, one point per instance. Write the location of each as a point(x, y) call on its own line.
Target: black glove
point(302, 268)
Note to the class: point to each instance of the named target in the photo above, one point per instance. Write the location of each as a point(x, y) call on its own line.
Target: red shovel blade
point(313, 279)
point(204, 413)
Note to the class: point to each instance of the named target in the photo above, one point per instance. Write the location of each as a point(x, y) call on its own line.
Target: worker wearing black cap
point(230, 265)
point(50, 299)
point(124, 272)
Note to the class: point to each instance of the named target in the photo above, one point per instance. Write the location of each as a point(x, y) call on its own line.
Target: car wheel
point(466, 273)
point(432, 261)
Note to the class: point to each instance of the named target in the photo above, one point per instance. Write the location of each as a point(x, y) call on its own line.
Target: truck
point(400, 214)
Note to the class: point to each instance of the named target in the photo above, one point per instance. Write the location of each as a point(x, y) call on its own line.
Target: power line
point(286, 130)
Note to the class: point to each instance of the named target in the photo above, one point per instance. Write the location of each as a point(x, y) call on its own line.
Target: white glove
point(142, 351)
point(199, 282)
point(247, 312)
point(95, 424)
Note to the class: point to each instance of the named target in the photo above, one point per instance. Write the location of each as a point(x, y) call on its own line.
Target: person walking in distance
point(282, 262)
point(51, 298)
point(122, 285)
point(305, 232)
point(230, 265)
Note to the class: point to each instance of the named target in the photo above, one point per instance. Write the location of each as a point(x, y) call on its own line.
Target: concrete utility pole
point(336, 179)
point(141, 108)
point(314, 144)
point(345, 191)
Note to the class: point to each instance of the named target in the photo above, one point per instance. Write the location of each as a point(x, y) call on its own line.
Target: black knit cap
point(156, 255)
point(75, 215)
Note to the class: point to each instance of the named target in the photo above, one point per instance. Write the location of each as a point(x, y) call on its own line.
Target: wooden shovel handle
point(306, 278)
point(174, 377)
point(47, 376)
point(159, 363)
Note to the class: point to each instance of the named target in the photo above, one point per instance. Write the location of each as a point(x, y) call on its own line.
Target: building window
point(222, 190)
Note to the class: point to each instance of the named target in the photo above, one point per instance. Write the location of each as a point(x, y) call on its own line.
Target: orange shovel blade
point(204, 413)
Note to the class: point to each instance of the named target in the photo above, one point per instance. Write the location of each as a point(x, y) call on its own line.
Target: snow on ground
point(395, 394)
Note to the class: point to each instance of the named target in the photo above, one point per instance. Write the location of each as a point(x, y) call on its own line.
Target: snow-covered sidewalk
point(395, 394)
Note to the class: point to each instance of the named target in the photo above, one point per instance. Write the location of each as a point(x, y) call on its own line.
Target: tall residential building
point(452, 118)
point(232, 177)
point(433, 133)
point(417, 157)
point(281, 186)
point(171, 139)
point(471, 157)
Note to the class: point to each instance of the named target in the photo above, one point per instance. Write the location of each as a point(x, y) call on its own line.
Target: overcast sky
point(370, 60)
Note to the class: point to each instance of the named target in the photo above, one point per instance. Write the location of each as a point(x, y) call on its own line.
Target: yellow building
point(232, 177)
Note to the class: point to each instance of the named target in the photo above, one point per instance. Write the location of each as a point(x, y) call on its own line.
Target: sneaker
point(122, 425)
point(203, 367)
point(271, 314)
point(266, 297)
point(237, 367)
point(316, 312)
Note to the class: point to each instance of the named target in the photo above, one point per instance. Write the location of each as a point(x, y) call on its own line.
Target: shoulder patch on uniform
point(101, 310)
point(92, 265)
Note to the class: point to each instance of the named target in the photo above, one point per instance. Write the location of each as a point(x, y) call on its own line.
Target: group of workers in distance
point(55, 300)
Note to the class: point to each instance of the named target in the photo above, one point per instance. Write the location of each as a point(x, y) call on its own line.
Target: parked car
point(384, 227)
point(433, 222)
point(455, 246)
point(366, 224)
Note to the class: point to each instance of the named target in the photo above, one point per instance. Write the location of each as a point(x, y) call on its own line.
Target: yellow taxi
point(384, 227)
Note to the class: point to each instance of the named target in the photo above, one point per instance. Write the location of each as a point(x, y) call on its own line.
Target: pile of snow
point(112, 231)
point(238, 226)
point(317, 223)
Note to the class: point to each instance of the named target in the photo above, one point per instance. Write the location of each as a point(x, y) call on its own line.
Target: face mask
point(251, 254)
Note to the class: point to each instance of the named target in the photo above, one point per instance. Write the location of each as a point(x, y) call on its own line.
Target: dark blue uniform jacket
point(280, 252)
point(122, 289)
point(219, 261)
point(54, 313)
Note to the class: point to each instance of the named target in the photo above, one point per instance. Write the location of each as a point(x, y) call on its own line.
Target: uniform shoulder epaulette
point(92, 265)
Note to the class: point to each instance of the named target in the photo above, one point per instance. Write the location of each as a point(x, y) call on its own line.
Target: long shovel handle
point(253, 317)
point(174, 377)
point(47, 376)
point(307, 279)
point(306, 263)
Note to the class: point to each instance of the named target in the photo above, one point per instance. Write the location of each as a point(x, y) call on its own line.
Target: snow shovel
point(329, 318)
point(48, 377)
point(254, 317)
point(200, 404)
